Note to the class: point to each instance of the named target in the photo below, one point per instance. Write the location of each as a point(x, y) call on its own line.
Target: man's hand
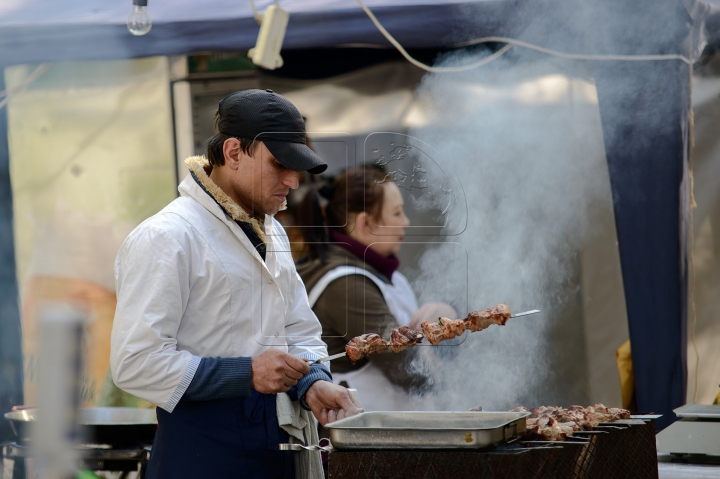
point(330, 402)
point(275, 371)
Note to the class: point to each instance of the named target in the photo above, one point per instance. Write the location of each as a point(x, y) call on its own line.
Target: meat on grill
point(443, 330)
point(403, 338)
point(446, 328)
point(548, 428)
point(556, 423)
point(360, 346)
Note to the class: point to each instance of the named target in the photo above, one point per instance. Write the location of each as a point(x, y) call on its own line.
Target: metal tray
point(699, 411)
point(427, 430)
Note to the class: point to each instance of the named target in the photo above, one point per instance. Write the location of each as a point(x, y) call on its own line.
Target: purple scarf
point(385, 265)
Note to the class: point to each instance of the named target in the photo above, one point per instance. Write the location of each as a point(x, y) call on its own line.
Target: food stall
point(120, 82)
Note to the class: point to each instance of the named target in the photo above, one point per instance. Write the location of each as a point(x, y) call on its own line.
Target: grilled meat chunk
point(443, 330)
point(619, 413)
point(550, 430)
point(434, 332)
point(479, 320)
point(598, 413)
point(447, 328)
point(360, 346)
point(403, 338)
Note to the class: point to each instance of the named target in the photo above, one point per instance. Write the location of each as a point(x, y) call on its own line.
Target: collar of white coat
point(210, 196)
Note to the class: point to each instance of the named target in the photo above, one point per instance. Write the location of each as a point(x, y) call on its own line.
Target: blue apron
point(221, 439)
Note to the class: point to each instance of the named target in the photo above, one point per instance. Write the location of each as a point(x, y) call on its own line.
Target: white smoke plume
point(523, 135)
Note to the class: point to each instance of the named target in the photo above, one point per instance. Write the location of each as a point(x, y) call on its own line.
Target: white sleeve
point(303, 330)
point(153, 285)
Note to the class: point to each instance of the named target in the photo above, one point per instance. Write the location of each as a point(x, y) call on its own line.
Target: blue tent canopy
point(55, 30)
point(42, 30)
point(648, 160)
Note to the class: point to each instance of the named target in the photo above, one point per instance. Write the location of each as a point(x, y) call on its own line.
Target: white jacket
point(190, 285)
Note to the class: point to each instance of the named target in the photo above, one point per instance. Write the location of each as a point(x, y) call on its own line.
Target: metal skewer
point(525, 313)
point(328, 358)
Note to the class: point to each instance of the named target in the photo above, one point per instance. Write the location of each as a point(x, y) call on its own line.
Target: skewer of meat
point(404, 337)
point(557, 423)
point(447, 328)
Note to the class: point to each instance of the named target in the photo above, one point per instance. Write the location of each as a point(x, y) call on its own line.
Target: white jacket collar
point(200, 187)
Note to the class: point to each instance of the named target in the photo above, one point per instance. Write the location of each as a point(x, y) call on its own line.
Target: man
point(212, 320)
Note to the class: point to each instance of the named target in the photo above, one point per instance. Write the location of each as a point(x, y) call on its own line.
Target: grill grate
point(626, 452)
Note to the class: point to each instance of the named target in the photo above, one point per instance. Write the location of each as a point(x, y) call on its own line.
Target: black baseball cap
point(266, 116)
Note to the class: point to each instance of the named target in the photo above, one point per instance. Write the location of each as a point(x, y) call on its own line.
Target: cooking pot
point(117, 426)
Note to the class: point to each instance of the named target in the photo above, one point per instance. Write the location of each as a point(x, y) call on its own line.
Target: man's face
point(261, 183)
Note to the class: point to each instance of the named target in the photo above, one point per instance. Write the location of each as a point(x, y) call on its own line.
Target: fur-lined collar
point(200, 169)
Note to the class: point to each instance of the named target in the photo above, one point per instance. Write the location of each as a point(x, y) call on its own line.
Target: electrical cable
point(421, 65)
point(37, 73)
point(256, 13)
point(582, 56)
point(510, 43)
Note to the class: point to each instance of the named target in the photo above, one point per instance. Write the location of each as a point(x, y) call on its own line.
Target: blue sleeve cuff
point(318, 372)
point(220, 378)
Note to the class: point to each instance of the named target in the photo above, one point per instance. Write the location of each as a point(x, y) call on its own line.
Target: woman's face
point(389, 229)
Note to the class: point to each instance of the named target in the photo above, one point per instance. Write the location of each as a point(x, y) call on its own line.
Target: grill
point(625, 449)
point(117, 439)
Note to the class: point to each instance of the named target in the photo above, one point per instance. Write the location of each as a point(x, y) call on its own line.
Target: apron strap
point(339, 272)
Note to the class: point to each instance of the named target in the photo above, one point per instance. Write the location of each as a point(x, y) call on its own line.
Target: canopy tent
point(46, 30)
point(42, 30)
point(645, 110)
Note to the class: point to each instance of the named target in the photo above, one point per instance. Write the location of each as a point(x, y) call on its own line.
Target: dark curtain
point(645, 111)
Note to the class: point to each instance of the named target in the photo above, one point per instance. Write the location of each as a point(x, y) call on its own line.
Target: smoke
point(524, 137)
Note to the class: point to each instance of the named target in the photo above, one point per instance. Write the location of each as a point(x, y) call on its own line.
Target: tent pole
point(11, 371)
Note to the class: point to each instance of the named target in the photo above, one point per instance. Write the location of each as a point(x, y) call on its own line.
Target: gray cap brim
point(296, 156)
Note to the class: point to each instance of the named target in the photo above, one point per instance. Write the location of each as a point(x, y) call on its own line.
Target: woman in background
point(354, 287)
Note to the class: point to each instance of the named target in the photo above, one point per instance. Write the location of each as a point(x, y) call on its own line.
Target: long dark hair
point(329, 206)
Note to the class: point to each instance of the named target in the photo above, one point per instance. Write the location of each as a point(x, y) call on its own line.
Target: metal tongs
point(339, 355)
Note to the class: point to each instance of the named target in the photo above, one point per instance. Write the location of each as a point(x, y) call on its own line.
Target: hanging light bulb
point(138, 21)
